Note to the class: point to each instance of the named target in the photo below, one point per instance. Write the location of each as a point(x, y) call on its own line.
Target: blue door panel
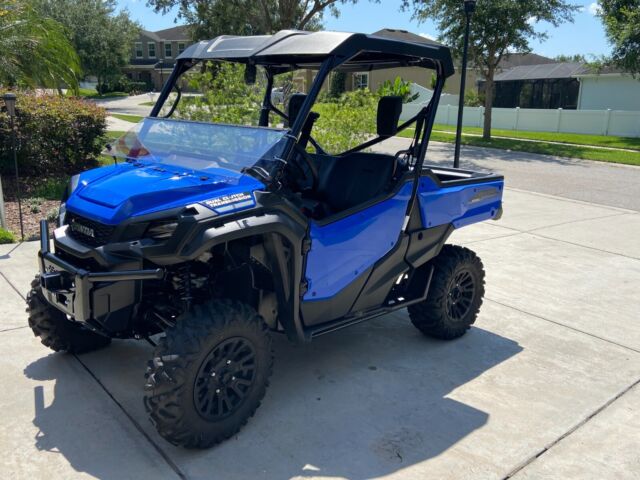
point(459, 205)
point(344, 249)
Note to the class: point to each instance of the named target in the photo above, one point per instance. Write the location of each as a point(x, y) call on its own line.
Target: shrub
point(337, 84)
point(225, 98)
point(56, 135)
point(122, 83)
point(6, 236)
point(398, 88)
point(346, 122)
point(34, 204)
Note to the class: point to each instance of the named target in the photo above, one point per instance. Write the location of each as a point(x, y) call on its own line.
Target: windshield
point(196, 146)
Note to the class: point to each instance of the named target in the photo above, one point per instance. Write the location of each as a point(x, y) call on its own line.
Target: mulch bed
point(31, 221)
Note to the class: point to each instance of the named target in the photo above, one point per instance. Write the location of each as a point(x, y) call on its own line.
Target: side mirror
point(250, 72)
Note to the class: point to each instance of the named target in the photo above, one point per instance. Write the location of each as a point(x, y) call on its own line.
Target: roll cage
point(290, 50)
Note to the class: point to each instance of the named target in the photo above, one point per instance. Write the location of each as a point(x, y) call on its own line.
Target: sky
point(584, 36)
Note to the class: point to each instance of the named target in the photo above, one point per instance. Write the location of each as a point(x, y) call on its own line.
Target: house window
point(360, 80)
point(167, 50)
point(151, 46)
point(139, 53)
point(181, 47)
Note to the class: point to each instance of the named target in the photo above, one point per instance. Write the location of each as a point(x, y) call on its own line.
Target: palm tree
point(34, 50)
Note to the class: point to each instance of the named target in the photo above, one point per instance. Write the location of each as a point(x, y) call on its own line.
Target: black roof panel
point(309, 49)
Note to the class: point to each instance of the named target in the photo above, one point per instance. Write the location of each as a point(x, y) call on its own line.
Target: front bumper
point(86, 295)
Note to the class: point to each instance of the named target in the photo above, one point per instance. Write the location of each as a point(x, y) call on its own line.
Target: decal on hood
point(230, 203)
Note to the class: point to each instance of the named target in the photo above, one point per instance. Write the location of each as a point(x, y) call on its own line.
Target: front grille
point(88, 232)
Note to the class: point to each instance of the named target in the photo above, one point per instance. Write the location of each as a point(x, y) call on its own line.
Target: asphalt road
point(597, 182)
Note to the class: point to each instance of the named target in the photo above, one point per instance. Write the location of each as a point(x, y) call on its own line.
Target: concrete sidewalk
point(546, 385)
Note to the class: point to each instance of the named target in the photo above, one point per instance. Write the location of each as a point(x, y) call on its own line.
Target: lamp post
point(10, 103)
point(469, 7)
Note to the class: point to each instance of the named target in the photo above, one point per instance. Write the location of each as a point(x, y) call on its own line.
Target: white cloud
point(594, 8)
point(532, 20)
point(427, 36)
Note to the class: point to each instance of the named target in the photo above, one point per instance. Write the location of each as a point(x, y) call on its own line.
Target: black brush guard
point(82, 294)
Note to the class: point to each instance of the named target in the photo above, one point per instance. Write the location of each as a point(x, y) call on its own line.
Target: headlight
point(161, 229)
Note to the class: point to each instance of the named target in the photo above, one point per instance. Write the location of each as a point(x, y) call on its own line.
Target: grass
point(6, 236)
point(92, 93)
point(109, 137)
point(573, 138)
point(127, 118)
point(569, 151)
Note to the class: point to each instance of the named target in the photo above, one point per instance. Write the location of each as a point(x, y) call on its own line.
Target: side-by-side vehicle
point(219, 236)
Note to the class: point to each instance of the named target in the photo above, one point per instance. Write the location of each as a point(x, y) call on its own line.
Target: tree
point(498, 27)
point(35, 49)
point(575, 58)
point(210, 18)
point(102, 38)
point(622, 24)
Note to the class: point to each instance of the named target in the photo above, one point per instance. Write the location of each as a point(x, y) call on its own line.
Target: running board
point(345, 322)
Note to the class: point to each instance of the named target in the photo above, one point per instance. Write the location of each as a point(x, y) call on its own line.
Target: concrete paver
point(556, 340)
point(58, 423)
point(20, 265)
point(583, 288)
point(617, 234)
point(382, 400)
point(12, 307)
point(606, 447)
point(526, 211)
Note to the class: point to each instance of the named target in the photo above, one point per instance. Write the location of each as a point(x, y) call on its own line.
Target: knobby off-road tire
point(55, 330)
point(455, 295)
point(209, 374)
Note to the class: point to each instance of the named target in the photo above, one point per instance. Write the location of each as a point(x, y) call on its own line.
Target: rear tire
point(455, 295)
point(209, 374)
point(55, 330)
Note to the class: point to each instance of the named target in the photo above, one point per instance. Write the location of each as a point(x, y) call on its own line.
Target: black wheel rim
point(460, 296)
point(225, 378)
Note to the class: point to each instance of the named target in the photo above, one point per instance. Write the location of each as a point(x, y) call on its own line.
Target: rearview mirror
point(250, 74)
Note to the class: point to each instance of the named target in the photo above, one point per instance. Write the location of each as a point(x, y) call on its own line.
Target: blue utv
point(219, 236)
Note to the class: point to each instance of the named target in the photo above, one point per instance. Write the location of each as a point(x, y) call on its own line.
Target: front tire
point(209, 374)
point(454, 297)
point(55, 330)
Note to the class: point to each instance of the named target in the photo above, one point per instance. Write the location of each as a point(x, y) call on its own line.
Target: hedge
point(56, 135)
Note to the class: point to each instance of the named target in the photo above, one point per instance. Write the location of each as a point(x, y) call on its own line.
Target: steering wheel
point(310, 172)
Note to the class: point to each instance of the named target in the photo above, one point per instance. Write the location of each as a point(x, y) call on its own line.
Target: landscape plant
point(57, 136)
point(34, 49)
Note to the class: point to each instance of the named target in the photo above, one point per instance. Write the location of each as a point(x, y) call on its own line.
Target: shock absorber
point(182, 284)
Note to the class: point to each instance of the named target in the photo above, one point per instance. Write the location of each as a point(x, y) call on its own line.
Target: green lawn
point(127, 118)
point(574, 138)
point(91, 93)
point(570, 151)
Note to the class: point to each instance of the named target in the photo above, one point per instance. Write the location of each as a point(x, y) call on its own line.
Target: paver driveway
point(546, 385)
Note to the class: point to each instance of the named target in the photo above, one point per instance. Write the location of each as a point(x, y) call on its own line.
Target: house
point(153, 55)
point(547, 85)
point(609, 88)
point(566, 85)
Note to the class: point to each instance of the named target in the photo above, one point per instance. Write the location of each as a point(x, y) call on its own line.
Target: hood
point(113, 194)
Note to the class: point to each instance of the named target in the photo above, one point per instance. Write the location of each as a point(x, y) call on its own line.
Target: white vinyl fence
point(595, 122)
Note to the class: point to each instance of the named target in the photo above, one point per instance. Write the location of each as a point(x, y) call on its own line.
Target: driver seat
point(293, 110)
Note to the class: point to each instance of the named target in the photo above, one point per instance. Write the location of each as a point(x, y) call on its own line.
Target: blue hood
point(113, 194)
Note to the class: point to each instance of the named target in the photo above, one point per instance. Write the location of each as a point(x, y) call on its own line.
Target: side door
point(343, 252)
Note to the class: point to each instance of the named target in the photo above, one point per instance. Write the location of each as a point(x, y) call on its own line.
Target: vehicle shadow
point(362, 403)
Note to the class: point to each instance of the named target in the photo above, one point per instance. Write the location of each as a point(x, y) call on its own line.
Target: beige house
point(153, 55)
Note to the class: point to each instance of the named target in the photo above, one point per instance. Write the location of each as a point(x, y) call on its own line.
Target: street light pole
point(10, 103)
point(469, 7)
